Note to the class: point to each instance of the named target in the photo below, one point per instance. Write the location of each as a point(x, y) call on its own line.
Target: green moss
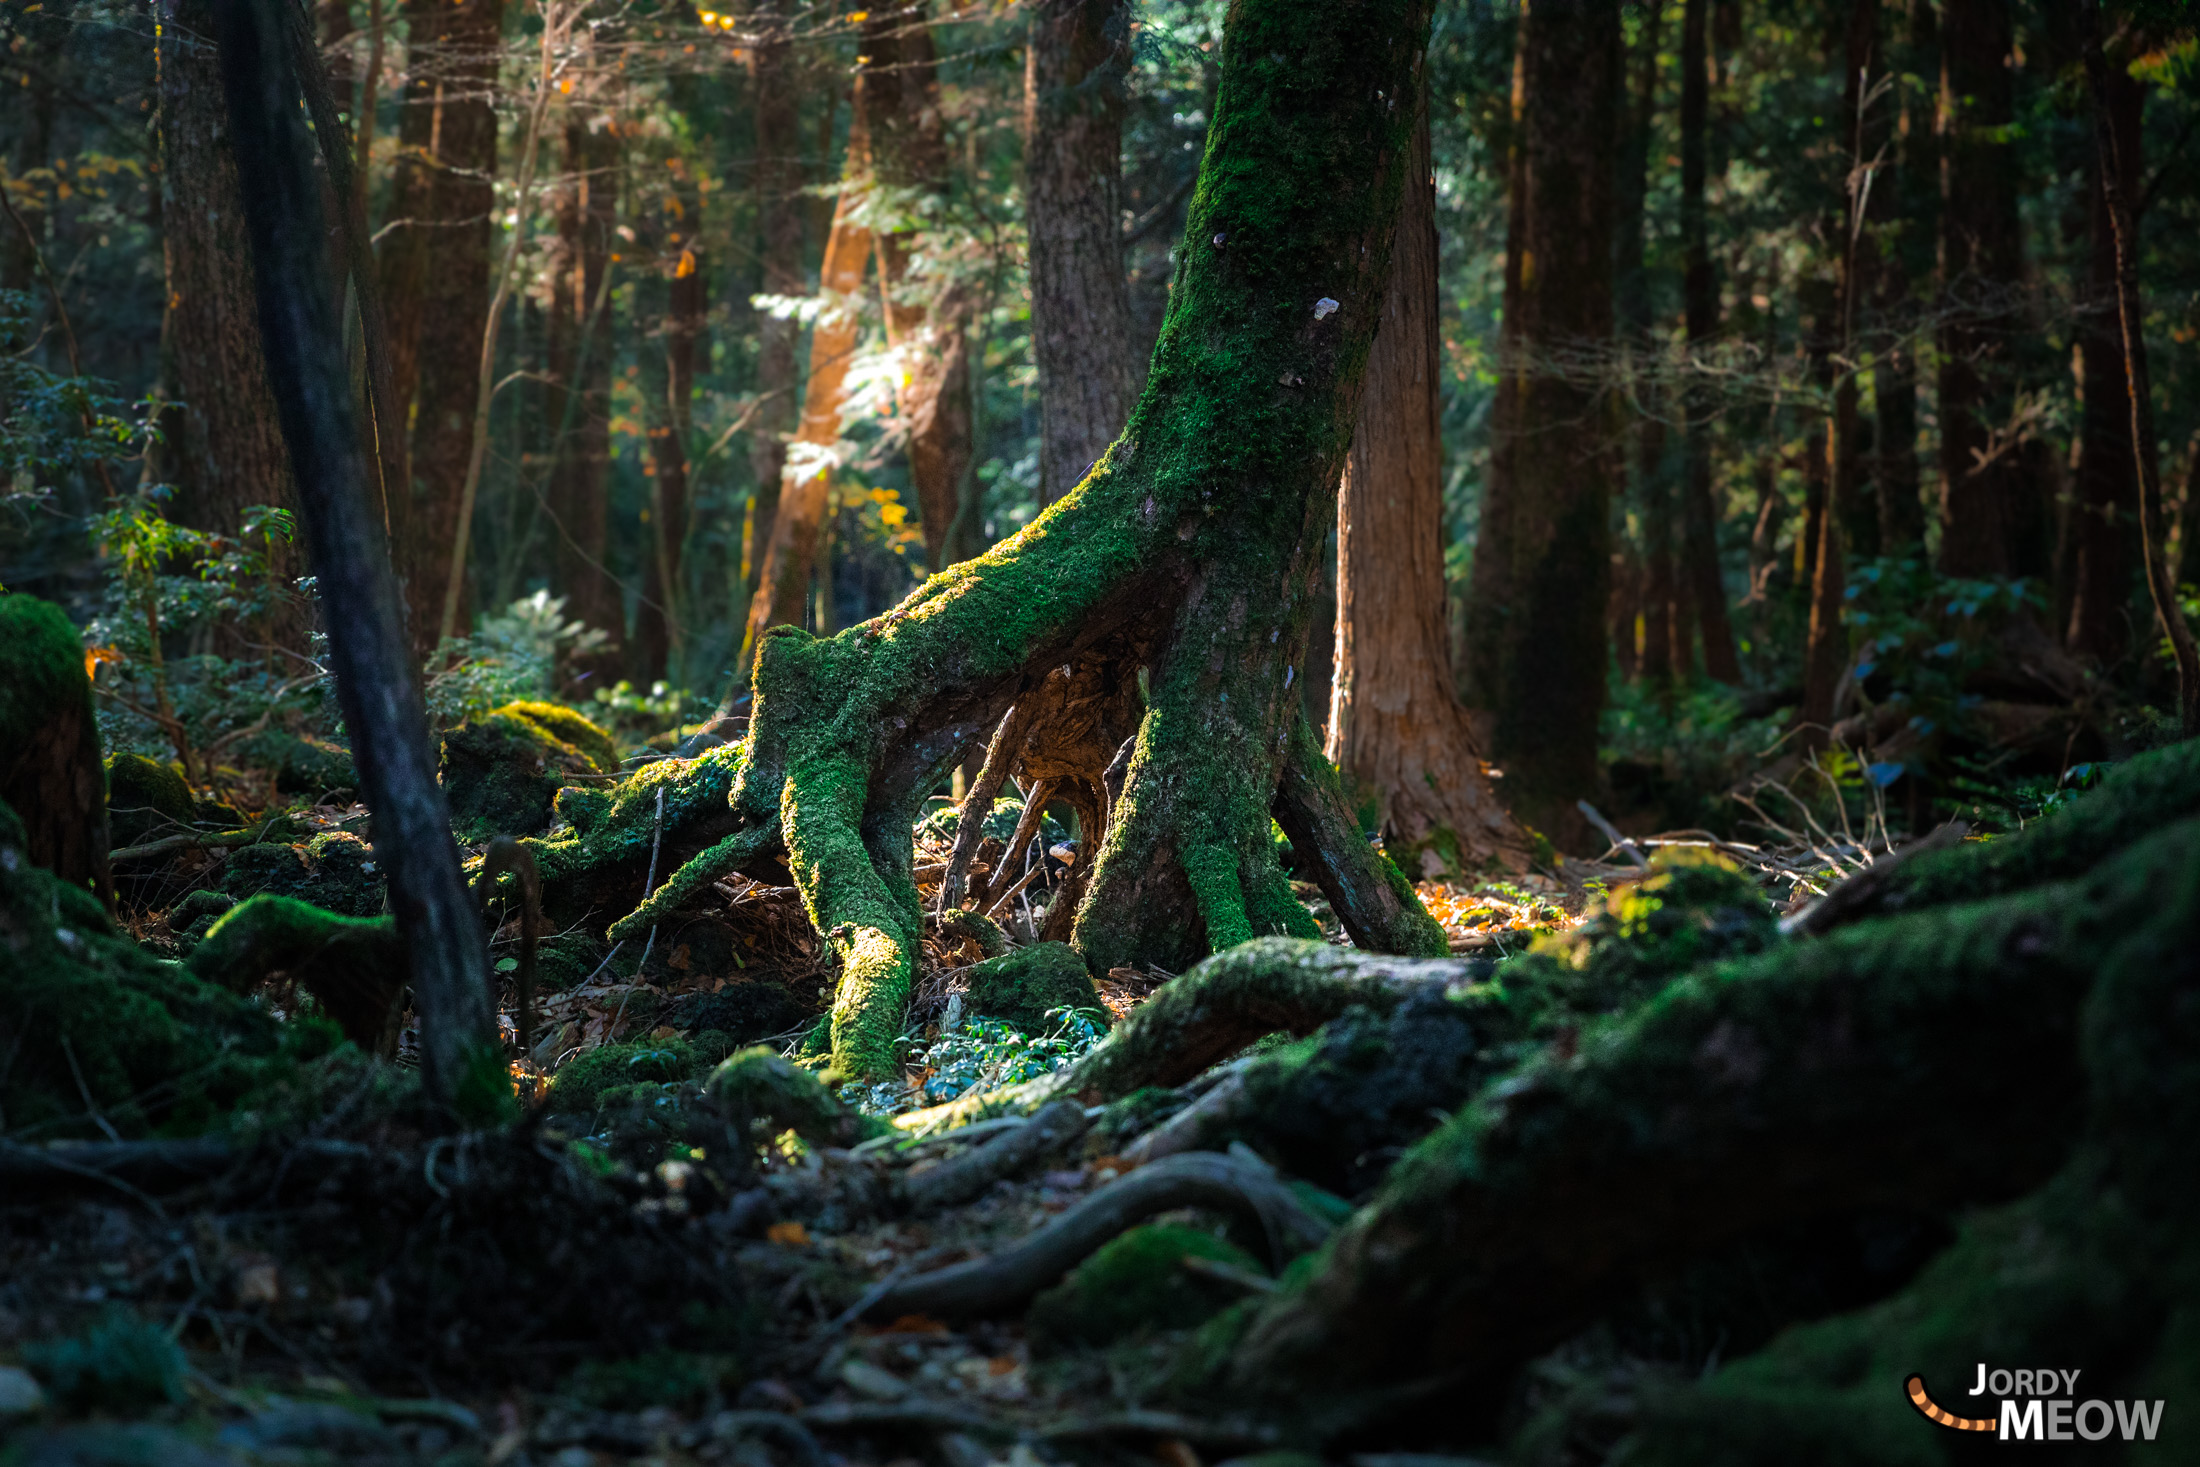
point(91, 1015)
point(41, 670)
point(1138, 1281)
point(146, 799)
point(582, 1081)
point(306, 765)
point(675, 1378)
point(759, 1089)
point(354, 967)
point(335, 870)
point(613, 828)
point(123, 1365)
point(502, 772)
point(1023, 986)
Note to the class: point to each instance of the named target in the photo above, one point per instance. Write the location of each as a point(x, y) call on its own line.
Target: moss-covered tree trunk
point(1189, 554)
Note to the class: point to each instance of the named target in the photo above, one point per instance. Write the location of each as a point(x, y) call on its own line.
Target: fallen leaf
point(788, 1234)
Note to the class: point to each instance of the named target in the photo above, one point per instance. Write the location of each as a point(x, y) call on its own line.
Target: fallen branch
point(968, 1175)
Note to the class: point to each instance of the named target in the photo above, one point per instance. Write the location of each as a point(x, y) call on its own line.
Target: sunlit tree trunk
point(461, 167)
point(1396, 730)
point(1537, 643)
point(1078, 53)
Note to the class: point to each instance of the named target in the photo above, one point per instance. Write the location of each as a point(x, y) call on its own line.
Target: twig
point(1607, 830)
point(91, 1107)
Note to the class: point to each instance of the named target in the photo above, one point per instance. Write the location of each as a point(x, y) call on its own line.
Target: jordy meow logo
point(2040, 1406)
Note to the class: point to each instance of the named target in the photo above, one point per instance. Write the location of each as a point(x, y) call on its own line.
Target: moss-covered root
point(1224, 1004)
point(50, 771)
point(1370, 895)
point(1925, 1061)
point(599, 865)
point(353, 966)
point(979, 928)
point(2150, 792)
point(699, 871)
point(758, 1087)
point(502, 771)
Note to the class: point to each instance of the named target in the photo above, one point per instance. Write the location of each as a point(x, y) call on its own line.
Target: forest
point(1076, 733)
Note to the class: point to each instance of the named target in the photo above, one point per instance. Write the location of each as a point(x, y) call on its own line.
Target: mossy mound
point(335, 871)
point(1022, 987)
point(146, 799)
point(354, 967)
point(761, 1090)
point(744, 1010)
point(88, 1015)
point(305, 765)
point(502, 771)
point(588, 1080)
point(49, 743)
point(1138, 1281)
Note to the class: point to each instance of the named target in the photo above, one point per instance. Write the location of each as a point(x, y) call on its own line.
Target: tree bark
point(1191, 552)
point(375, 681)
point(2117, 173)
point(1700, 297)
point(783, 574)
point(409, 240)
point(1540, 568)
point(2106, 514)
point(779, 247)
point(460, 164)
point(579, 486)
point(1396, 729)
point(1981, 272)
point(1075, 62)
point(659, 641)
point(224, 452)
point(1664, 619)
point(900, 91)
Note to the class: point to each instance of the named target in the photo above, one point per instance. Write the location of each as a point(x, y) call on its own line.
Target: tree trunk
point(2106, 529)
point(900, 91)
point(409, 243)
point(1700, 296)
point(224, 452)
point(1190, 552)
point(461, 197)
point(1665, 625)
point(1396, 729)
point(1981, 271)
point(375, 681)
point(779, 247)
point(1543, 558)
point(1074, 66)
point(658, 637)
point(51, 775)
point(579, 486)
point(783, 573)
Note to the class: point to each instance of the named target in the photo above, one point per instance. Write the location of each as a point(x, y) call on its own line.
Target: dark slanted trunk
point(2119, 179)
point(1700, 300)
point(1075, 63)
point(1190, 552)
point(779, 248)
point(369, 652)
point(1396, 729)
point(461, 166)
point(1981, 274)
point(1537, 646)
point(223, 451)
point(928, 325)
point(2105, 524)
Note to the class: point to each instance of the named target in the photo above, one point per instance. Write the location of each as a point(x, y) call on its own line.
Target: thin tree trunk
point(455, 308)
point(409, 239)
point(658, 639)
point(2105, 530)
point(780, 242)
point(783, 580)
point(224, 451)
point(1980, 273)
point(1396, 729)
point(1665, 625)
point(1543, 557)
point(900, 92)
point(1700, 295)
point(375, 682)
point(1075, 62)
point(580, 483)
point(2117, 171)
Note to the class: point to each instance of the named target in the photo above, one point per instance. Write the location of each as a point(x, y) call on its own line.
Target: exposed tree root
point(1924, 1061)
point(964, 1177)
point(1002, 1283)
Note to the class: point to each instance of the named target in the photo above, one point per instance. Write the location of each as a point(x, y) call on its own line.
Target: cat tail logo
point(1915, 1387)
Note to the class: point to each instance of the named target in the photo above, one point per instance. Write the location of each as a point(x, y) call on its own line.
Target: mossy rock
point(745, 1010)
point(502, 771)
point(354, 967)
point(146, 799)
point(1022, 987)
point(1138, 1281)
point(335, 871)
point(49, 743)
point(305, 765)
point(585, 1080)
point(155, 1047)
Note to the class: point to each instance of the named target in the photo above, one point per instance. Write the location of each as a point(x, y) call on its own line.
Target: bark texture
point(1536, 617)
point(1395, 726)
point(1700, 295)
point(779, 248)
point(579, 484)
point(1074, 66)
point(224, 452)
